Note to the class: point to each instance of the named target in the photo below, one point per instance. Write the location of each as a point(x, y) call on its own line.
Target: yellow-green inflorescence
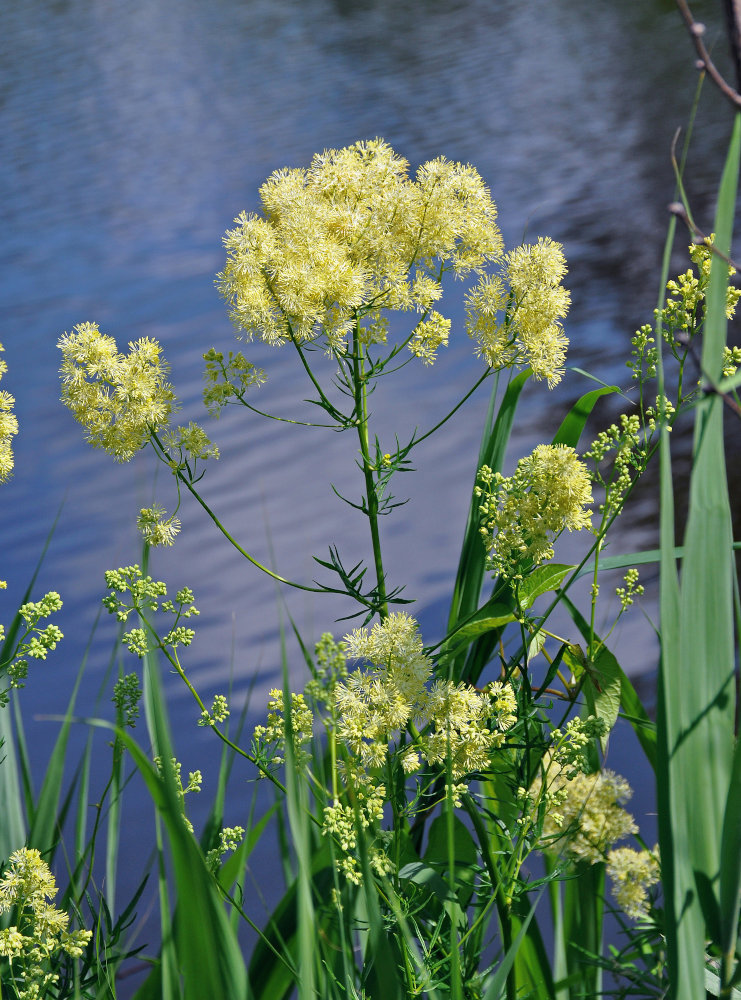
point(8, 427)
point(124, 401)
point(353, 235)
point(521, 515)
point(118, 398)
point(390, 708)
point(39, 934)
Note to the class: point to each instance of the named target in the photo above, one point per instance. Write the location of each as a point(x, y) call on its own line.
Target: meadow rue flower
point(686, 302)
point(191, 442)
point(459, 715)
point(230, 837)
point(228, 379)
point(428, 336)
point(522, 514)
point(522, 324)
point(8, 427)
point(274, 733)
point(35, 643)
point(344, 821)
point(630, 591)
point(586, 816)
point(118, 398)
point(329, 669)
point(632, 874)
point(156, 528)
point(195, 782)
point(379, 701)
point(40, 931)
point(127, 693)
point(220, 711)
point(350, 235)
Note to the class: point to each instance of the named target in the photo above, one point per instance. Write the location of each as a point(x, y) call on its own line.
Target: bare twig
point(704, 61)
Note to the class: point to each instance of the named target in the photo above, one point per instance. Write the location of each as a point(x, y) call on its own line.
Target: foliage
point(433, 794)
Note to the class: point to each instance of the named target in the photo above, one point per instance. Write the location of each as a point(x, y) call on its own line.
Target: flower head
point(632, 874)
point(353, 234)
point(521, 515)
point(40, 932)
point(8, 428)
point(119, 398)
point(586, 814)
point(156, 528)
point(522, 324)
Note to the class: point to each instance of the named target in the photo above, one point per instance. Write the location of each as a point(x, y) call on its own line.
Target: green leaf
point(603, 689)
point(491, 616)
point(541, 581)
point(696, 682)
point(730, 859)
point(575, 420)
point(421, 874)
point(470, 575)
point(496, 985)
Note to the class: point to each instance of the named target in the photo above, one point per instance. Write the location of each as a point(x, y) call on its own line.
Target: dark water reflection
point(133, 133)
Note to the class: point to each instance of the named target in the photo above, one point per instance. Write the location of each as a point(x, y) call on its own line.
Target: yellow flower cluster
point(632, 874)
point(273, 735)
point(156, 528)
point(522, 324)
point(40, 932)
point(376, 703)
point(118, 398)
point(350, 235)
point(687, 293)
point(344, 821)
point(522, 514)
point(8, 427)
point(585, 814)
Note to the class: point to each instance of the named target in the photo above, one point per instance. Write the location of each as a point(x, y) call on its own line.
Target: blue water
point(132, 134)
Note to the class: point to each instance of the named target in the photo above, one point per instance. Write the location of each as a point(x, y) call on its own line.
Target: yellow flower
point(41, 932)
point(632, 874)
point(352, 235)
point(586, 814)
point(8, 428)
point(119, 399)
point(522, 325)
point(521, 515)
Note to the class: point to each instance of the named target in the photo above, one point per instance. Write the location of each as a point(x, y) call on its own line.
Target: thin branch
point(704, 62)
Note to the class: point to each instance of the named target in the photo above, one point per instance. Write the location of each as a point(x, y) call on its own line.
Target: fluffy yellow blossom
point(351, 235)
point(376, 703)
point(156, 528)
point(459, 715)
point(585, 815)
point(118, 398)
point(273, 735)
point(522, 325)
point(522, 514)
point(428, 336)
point(632, 874)
point(40, 932)
point(8, 428)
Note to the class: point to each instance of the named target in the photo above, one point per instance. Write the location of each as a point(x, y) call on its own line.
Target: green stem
point(361, 408)
point(162, 452)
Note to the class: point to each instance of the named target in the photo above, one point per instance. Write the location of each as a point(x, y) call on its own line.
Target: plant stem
point(361, 408)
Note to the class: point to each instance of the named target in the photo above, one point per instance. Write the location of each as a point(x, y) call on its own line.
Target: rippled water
point(133, 132)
